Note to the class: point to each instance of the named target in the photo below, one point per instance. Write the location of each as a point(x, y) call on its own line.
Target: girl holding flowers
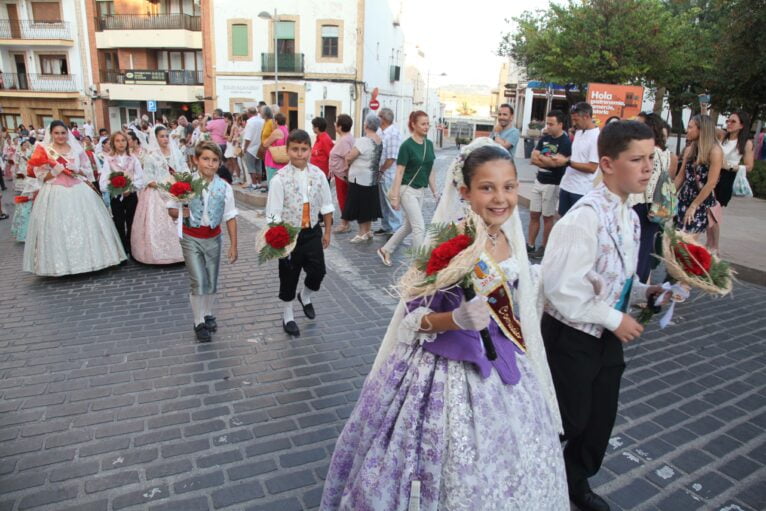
point(153, 238)
point(441, 422)
point(123, 177)
point(69, 227)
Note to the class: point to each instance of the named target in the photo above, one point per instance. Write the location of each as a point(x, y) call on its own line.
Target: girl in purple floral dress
point(438, 426)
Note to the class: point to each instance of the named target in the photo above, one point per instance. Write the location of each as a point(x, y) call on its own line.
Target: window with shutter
point(46, 12)
point(240, 45)
point(330, 37)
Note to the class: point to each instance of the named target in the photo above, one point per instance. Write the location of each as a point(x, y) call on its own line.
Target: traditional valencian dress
point(27, 187)
point(438, 426)
point(124, 206)
point(69, 229)
point(153, 237)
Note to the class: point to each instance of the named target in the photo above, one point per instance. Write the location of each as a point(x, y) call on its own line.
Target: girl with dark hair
point(438, 425)
point(124, 205)
point(69, 228)
point(413, 176)
point(153, 238)
point(737, 152)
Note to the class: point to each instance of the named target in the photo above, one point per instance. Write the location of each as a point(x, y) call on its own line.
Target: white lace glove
point(473, 315)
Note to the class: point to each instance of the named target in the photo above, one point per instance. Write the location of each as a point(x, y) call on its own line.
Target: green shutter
point(240, 46)
point(285, 30)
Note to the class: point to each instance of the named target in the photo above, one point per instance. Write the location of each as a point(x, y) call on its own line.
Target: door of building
point(13, 20)
point(21, 70)
point(288, 105)
point(115, 123)
point(330, 114)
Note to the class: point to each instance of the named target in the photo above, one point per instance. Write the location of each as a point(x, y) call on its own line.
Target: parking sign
point(151, 106)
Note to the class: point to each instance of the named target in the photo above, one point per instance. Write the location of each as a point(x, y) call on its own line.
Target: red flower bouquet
point(695, 259)
point(42, 156)
point(119, 183)
point(21, 199)
point(443, 254)
point(277, 241)
point(692, 264)
point(183, 187)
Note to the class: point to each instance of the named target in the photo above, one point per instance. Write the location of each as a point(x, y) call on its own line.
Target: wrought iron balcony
point(38, 82)
point(287, 63)
point(148, 22)
point(30, 29)
point(152, 77)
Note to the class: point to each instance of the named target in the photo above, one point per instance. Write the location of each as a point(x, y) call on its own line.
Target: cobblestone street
point(108, 403)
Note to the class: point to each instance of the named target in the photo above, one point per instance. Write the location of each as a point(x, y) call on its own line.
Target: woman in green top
point(413, 175)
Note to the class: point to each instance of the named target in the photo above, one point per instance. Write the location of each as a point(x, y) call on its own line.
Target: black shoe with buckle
point(291, 328)
point(589, 501)
point(203, 334)
point(211, 323)
point(308, 309)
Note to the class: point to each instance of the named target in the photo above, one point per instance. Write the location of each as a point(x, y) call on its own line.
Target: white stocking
point(198, 308)
point(306, 295)
point(209, 304)
point(288, 316)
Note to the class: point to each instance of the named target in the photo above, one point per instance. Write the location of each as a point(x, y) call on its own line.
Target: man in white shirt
point(87, 129)
point(578, 178)
point(589, 276)
point(252, 141)
point(392, 218)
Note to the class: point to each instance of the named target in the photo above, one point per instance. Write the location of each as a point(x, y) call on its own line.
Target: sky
point(460, 37)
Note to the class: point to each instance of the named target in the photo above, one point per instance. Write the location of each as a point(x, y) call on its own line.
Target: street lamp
point(428, 85)
point(266, 16)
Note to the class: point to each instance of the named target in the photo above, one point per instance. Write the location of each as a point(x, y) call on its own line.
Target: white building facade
point(331, 57)
point(44, 62)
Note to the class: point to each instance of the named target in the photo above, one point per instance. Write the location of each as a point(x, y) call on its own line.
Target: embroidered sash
point(489, 280)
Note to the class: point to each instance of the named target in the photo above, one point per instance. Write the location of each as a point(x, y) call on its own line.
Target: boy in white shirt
point(588, 278)
point(298, 194)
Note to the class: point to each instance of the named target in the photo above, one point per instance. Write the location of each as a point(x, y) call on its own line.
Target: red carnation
point(278, 237)
point(444, 253)
point(20, 199)
point(119, 182)
point(696, 260)
point(180, 188)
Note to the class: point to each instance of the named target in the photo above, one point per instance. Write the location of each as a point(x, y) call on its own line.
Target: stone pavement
point(107, 402)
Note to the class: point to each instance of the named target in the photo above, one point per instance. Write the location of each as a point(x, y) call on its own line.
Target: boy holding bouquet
point(201, 242)
point(298, 194)
point(589, 276)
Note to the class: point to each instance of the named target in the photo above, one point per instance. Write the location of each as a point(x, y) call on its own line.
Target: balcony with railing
point(152, 77)
point(31, 30)
point(38, 82)
point(148, 22)
point(286, 63)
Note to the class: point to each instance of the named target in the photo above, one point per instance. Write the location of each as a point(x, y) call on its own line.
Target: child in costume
point(589, 276)
point(439, 425)
point(202, 241)
point(298, 194)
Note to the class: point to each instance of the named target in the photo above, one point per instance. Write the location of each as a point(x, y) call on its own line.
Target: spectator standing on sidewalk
point(217, 127)
point(362, 204)
point(578, 178)
point(505, 133)
point(391, 219)
point(737, 152)
point(253, 129)
point(320, 151)
point(551, 157)
point(338, 165)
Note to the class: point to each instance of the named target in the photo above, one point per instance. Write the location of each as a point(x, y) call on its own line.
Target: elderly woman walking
point(362, 202)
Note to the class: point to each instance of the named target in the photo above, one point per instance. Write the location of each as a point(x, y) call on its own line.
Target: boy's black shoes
point(308, 309)
point(211, 324)
point(291, 327)
point(203, 334)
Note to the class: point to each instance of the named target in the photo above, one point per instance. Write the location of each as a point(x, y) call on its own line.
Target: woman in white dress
point(153, 238)
point(69, 229)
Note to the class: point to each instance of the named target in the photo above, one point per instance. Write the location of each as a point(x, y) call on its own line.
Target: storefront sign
point(623, 101)
point(145, 76)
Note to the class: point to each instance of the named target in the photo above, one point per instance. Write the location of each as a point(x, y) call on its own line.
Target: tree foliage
point(687, 47)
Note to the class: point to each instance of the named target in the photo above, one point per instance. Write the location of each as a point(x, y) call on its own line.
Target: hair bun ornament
point(456, 167)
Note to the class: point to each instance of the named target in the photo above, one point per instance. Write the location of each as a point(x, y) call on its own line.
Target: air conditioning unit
point(395, 73)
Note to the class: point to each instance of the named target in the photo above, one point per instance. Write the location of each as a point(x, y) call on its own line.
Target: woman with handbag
point(698, 176)
point(644, 203)
point(275, 156)
point(363, 201)
point(413, 174)
point(737, 149)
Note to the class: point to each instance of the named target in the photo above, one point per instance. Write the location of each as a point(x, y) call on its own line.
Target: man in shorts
point(551, 157)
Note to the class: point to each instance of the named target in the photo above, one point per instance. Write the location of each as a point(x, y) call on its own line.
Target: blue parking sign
point(151, 106)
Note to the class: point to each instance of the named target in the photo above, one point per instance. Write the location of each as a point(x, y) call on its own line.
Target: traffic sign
point(151, 106)
point(374, 104)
